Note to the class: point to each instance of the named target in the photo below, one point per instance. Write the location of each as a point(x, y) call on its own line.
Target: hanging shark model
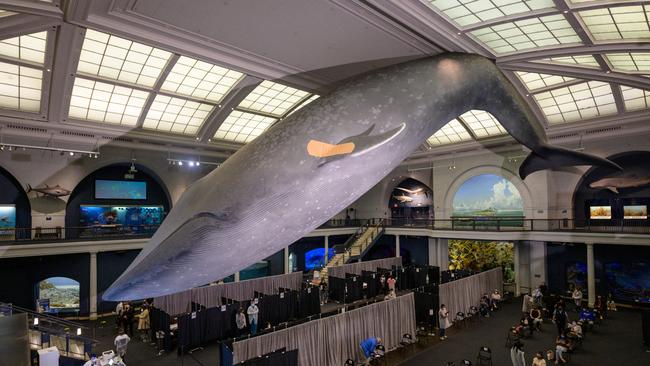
point(411, 191)
point(56, 191)
point(403, 199)
point(320, 159)
point(616, 183)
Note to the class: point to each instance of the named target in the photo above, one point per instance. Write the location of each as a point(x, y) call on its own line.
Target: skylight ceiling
point(116, 58)
point(468, 12)
point(6, 13)
point(471, 125)
point(272, 98)
point(618, 23)
point(552, 30)
point(30, 47)
point(577, 60)
point(629, 62)
point(20, 87)
point(450, 133)
point(577, 102)
point(243, 126)
point(635, 99)
point(535, 81)
point(176, 115)
point(200, 79)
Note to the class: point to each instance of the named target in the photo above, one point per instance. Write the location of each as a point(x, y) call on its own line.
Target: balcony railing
point(504, 224)
point(500, 224)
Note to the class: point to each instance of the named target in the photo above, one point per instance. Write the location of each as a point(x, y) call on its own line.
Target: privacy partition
point(210, 296)
point(332, 340)
point(358, 267)
point(460, 295)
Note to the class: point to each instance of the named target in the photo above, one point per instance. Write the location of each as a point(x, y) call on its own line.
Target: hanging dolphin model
point(314, 163)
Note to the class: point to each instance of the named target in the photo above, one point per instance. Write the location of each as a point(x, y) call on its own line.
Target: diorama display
point(411, 199)
point(488, 196)
point(636, 212)
point(480, 256)
point(120, 189)
point(629, 281)
point(316, 162)
point(600, 212)
point(58, 293)
point(107, 218)
point(7, 222)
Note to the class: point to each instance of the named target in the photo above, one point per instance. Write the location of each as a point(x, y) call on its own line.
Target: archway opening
point(15, 209)
point(411, 199)
point(488, 199)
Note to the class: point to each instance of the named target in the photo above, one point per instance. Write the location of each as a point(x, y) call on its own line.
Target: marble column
point(286, 260)
point(327, 248)
point(237, 276)
point(591, 275)
point(517, 270)
point(93, 285)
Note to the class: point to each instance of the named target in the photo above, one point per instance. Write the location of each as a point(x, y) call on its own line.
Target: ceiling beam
point(511, 18)
point(556, 86)
point(156, 88)
point(69, 40)
point(228, 104)
point(574, 50)
point(521, 88)
point(32, 7)
point(635, 81)
point(20, 24)
point(469, 130)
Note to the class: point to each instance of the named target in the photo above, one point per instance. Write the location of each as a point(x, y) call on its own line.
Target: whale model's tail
point(547, 156)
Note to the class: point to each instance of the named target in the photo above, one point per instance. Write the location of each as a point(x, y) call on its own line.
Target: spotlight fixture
point(180, 163)
point(35, 322)
point(2, 147)
point(71, 153)
point(191, 163)
point(198, 163)
point(10, 148)
point(78, 331)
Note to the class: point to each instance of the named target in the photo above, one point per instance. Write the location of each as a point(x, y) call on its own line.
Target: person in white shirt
point(252, 312)
point(391, 295)
point(121, 343)
point(577, 297)
point(443, 316)
point(118, 311)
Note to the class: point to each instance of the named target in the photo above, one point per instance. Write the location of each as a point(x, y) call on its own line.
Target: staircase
point(355, 247)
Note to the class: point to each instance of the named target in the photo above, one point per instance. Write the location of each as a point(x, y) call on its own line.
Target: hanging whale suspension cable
point(314, 163)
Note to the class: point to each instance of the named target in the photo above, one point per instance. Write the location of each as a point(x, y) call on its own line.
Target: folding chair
point(460, 319)
point(350, 362)
point(466, 363)
point(407, 341)
point(484, 356)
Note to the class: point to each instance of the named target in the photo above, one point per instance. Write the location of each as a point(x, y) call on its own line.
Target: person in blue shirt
point(587, 315)
point(368, 346)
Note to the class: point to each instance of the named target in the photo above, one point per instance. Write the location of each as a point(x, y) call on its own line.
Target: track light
point(10, 148)
point(197, 163)
point(191, 163)
point(2, 147)
point(71, 153)
point(35, 322)
point(180, 163)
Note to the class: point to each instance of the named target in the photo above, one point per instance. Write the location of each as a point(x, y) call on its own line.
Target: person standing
point(577, 298)
point(391, 283)
point(560, 319)
point(121, 343)
point(127, 319)
point(144, 322)
point(253, 312)
point(119, 309)
point(443, 316)
point(240, 320)
point(527, 303)
point(517, 354)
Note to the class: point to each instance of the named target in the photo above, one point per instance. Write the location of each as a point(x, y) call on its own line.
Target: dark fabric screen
point(277, 358)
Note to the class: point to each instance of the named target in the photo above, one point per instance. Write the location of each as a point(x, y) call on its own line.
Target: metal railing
point(80, 233)
point(504, 224)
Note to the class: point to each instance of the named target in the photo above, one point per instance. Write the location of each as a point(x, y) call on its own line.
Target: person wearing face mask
point(443, 316)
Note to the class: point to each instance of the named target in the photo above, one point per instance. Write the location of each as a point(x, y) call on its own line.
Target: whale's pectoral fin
point(366, 143)
point(613, 189)
point(547, 157)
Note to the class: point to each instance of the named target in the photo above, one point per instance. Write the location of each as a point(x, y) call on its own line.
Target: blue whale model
point(314, 163)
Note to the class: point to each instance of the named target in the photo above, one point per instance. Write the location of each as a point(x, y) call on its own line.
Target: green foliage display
point(482, 255)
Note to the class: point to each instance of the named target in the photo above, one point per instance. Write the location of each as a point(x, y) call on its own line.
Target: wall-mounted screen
point(629, 281)
point(600, 212)
point(120, 215)
point(315, 258)
point(637, 212)
point(120, 189)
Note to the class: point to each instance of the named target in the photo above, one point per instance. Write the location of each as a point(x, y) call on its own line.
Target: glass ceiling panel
point(482, 123)
point(577, 102)
point(617, 23)
point(468, 12)
point(272, 98)
point(450, 133)
point(534, 81)
point(578, 60)
point(107, 103)
point(635, 99)
point(30, 47)
point(116, 58)
point(176, 115)
point(629, 62)
point(20, 87)
point(243, 126)
point(525, 34)
point(311, 99)
point(200, 79)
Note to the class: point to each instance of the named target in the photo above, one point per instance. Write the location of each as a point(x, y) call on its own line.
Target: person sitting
point(368, 346)
point(527, 326)
point(536, 316)
point(574, 335)
point(495, 299)
point(587, 317)
point(611, 305)
point(484, 309)
point(550, 356)
point(527, 304)
point(561, 347)
point(537, 296)
point(538, 360)
point(577, 297)
point(93, 360)
point(391, 295)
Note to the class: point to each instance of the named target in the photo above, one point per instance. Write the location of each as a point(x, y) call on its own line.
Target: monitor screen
point(635, 212)
point(120, 215)
point(315, 258)
point(120, 189)
point(600, 212)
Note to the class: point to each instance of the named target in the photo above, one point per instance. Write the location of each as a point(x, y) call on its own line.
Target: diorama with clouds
point(488, 195)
